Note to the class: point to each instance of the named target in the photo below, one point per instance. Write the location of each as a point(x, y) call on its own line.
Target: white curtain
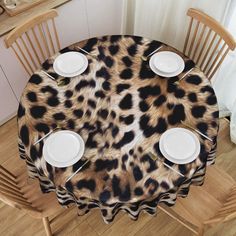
point(166, 20)
point(224, 82)
point(225, 88)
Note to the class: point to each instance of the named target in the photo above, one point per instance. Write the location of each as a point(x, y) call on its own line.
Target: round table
point(120, 108)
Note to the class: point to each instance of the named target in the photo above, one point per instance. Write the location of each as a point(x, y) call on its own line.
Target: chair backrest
point(35, 40)
point(11, 193)
point(207, 42)
point(227, 211)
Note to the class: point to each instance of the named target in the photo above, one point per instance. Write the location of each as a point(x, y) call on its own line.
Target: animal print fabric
point(120, 108)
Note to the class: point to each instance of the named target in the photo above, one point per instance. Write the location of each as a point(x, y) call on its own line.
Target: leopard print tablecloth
point(120, 108)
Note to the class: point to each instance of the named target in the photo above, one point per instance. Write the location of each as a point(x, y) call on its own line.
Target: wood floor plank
point(126, 226)
point(96, 222)
point(8, 140)
point(72, 224)
point(9, 216)
point(162, 224)
point(226, 229)
point(70, 221)
point(25, 226)
point(84, 229)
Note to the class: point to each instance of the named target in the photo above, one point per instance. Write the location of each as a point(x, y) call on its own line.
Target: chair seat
point(47, 203)
point(203, 202)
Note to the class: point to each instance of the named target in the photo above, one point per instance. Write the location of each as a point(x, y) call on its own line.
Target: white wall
point(72, 22)
point(104, 17)
point(8, 102)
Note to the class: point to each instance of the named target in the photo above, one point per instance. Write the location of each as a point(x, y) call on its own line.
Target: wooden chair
point(35, 40)
point(207, 42)
point(207, 205)
point(15, 191)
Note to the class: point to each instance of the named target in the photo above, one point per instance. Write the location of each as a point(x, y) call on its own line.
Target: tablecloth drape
point(120, 108)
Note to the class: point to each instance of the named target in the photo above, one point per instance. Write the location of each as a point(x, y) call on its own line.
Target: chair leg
point(47, 226)
point(201, 231)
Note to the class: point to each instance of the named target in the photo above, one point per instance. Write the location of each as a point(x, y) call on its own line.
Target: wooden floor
point(15, 222)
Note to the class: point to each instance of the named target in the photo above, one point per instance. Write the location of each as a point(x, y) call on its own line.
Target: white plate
point(70, 64)
point(167, 64)
point(63, 148)
point(179, 145)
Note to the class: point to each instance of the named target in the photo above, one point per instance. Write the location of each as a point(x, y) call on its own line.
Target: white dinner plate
point(70, 64)
point(63, 148)
point(179, 145)
point(167, 64)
